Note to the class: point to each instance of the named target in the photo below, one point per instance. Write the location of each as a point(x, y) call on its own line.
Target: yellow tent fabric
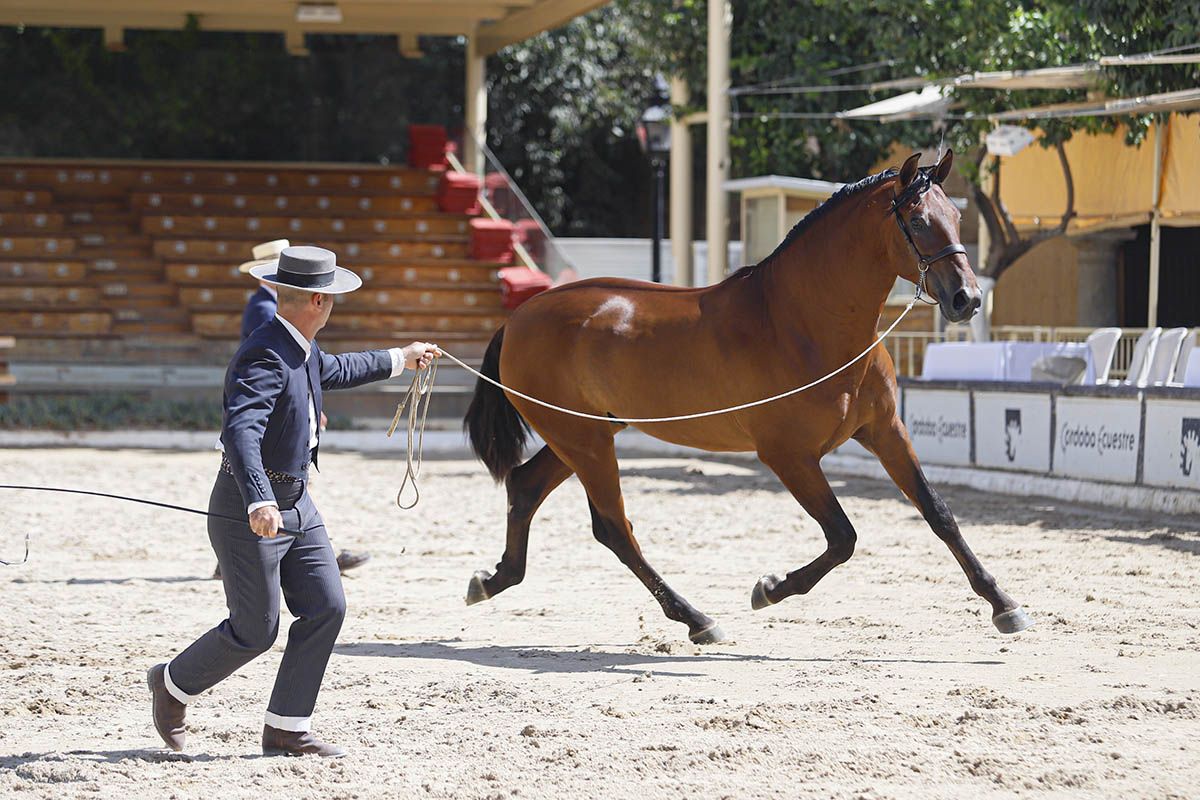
point(1114, 182)
point(1180, 204)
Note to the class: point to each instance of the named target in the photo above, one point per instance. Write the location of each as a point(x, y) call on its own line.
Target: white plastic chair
point(1185, 352)
point(1103, 344)
point(1143, 356)
point(1166, 353)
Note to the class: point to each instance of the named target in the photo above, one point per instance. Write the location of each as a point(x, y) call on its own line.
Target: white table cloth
point(997, 361)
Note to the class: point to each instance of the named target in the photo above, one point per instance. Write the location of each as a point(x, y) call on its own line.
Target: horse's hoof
point(476, 592)
point(758, 597)
point(1013, 621)
point(710, 635)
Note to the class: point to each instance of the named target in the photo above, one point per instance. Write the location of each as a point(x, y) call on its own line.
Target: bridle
point(920, 184)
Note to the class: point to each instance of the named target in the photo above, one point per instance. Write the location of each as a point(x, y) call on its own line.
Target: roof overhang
point(1184, 100)
point(930, 101)
point(1075, 76)
point(495, 23)
point(800, 187)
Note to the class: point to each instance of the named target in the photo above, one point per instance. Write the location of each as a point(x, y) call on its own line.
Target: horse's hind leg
point(596, 465)
point(888, 439)
point(528, 485)
point(805, 480)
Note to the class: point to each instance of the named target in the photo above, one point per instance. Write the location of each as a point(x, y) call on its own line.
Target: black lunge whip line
point(170, 506)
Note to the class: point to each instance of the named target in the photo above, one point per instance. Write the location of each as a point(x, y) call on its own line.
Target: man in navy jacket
point(272, 401)
point(260, 309)
point(261, 306)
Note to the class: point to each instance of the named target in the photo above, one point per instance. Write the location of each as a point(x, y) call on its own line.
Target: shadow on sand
point(114, 581)
point(540, 660)
point(148, 755)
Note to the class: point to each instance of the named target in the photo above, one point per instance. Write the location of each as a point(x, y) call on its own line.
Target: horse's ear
point(909, 170)
point(943, 167)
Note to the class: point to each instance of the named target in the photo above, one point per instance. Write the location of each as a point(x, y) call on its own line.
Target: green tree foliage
point(819, 42)
point(562, 111)
point(197, 95)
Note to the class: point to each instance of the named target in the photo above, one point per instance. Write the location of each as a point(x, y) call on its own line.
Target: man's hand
point(266, 521)
point(419, 355)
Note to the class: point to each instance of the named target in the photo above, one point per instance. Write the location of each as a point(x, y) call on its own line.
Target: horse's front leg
point(888, 440)
point(804, 479)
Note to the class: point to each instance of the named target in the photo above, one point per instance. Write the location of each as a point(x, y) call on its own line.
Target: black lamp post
point(654, 135)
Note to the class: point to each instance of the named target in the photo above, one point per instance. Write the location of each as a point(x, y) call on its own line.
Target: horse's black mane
point(814, 216)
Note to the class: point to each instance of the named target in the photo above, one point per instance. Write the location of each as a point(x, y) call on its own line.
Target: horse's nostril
point(961, 300)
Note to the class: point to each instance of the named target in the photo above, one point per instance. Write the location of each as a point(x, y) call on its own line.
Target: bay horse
point(629, 349)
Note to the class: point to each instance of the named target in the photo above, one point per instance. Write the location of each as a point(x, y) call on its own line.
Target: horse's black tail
point(497, 431)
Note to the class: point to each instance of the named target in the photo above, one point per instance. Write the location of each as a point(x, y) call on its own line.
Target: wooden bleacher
point(137, 260)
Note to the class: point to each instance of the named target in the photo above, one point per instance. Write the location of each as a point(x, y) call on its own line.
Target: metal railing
point(501, 198)
point(908, 347)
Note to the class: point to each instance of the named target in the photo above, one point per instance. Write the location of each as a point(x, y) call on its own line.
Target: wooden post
point(1161, 132)
point(681, 187)
point(475, 107)
point(720, 22)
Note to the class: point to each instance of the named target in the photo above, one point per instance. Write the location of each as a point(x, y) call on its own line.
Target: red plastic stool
point(458, 193)
point(427, 146)
point(518, 284)
point(492, 240)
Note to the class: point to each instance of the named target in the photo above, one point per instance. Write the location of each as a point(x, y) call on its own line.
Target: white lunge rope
point(682, 417)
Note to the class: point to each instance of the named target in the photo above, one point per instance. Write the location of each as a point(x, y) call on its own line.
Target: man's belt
point(273, 475)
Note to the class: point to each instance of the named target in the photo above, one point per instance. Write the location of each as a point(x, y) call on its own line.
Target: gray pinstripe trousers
point(254, 570)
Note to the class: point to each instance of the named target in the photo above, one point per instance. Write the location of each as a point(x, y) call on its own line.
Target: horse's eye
point(917, 222)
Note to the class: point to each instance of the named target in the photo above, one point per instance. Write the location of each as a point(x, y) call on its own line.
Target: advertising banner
point(1172, 453)
point(939, 424)
point(1012, 431)
point(1097, 437)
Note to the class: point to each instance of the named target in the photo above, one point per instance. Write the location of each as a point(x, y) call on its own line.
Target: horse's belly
point(714, 436)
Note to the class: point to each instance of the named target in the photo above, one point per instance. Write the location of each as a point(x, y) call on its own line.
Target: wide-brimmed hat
point(312, 269)
point(265, 253)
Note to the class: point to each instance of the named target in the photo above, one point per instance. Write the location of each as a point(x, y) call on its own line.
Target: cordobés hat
point(312, 269)
point(264, 253)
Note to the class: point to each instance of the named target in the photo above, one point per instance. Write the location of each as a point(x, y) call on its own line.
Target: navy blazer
point(260, 308)
point(265, 423)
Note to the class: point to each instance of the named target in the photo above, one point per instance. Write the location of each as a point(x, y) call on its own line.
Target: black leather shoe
point(168, 712)
point(291, 743)
point(347, 561)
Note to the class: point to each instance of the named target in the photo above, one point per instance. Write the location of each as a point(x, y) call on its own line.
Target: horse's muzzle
point(963, 304)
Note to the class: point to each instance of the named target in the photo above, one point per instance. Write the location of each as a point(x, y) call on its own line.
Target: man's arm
point(348, 370)
point(252, 387)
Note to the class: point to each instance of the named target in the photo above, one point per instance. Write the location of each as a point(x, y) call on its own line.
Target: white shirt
point(396, 353)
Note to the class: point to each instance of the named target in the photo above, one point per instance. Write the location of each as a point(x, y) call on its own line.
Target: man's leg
point(250, 573)
point(312, 589)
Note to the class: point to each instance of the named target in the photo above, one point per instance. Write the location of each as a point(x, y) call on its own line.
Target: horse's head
point(929, 238)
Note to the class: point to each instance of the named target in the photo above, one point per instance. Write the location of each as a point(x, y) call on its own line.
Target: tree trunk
point(1007, 243)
